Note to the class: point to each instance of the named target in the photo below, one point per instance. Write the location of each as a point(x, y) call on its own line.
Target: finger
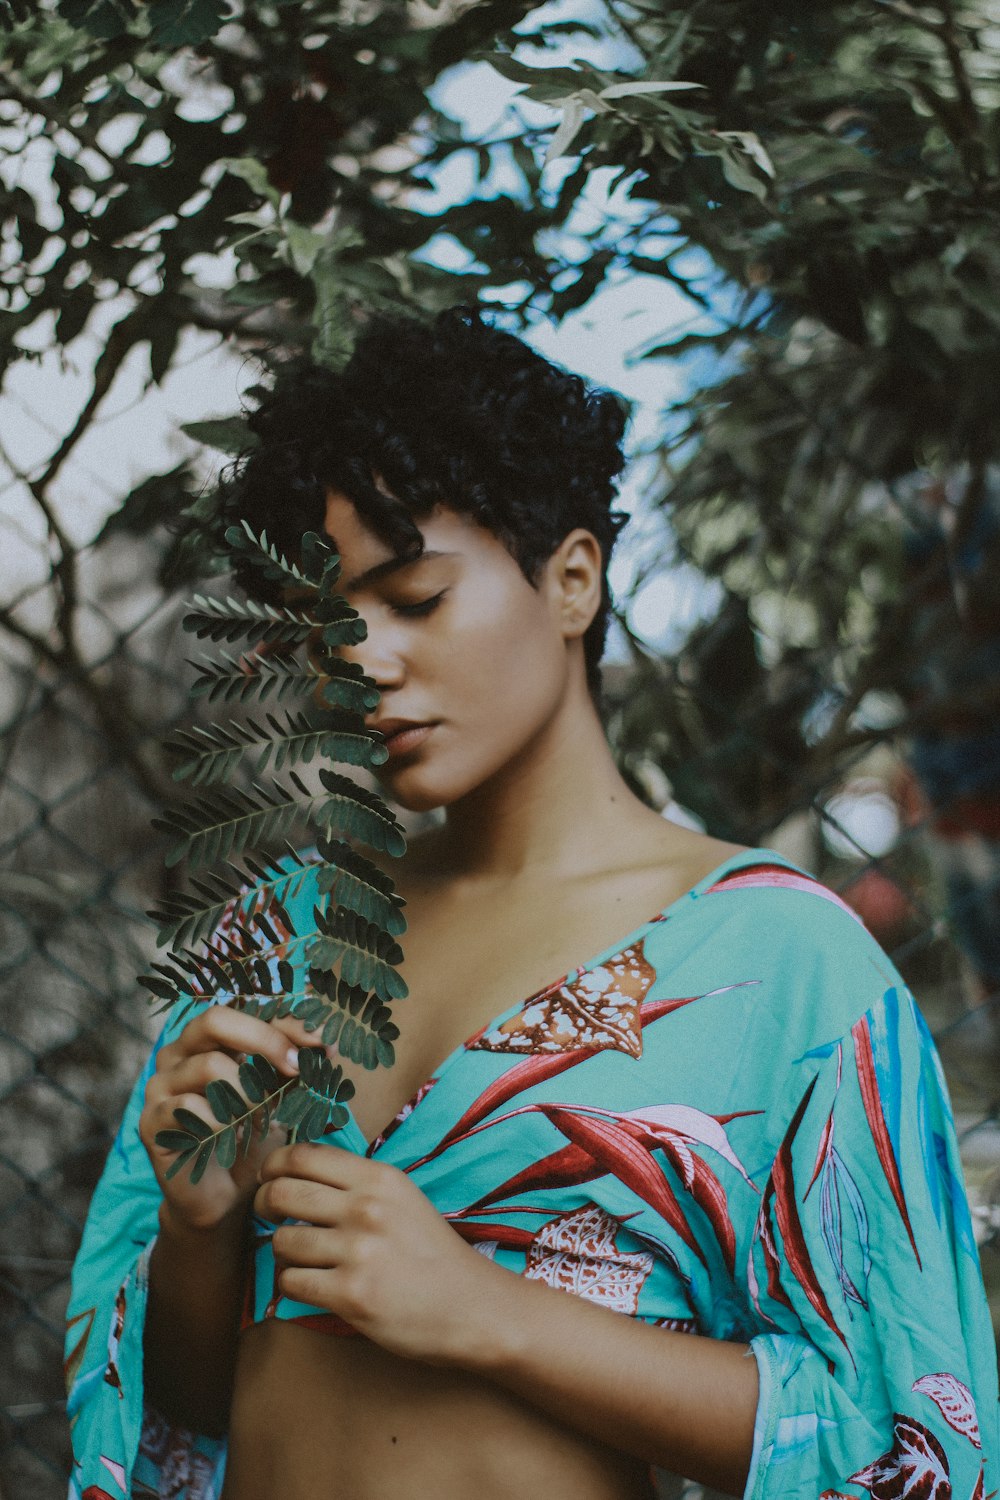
point(222, 1027)
point(307, 1245)
point(295, 1198)
point(319, 1286)
point(297, 1033)
point(322, 1163)
point(193, 1074)
point(162, 1117)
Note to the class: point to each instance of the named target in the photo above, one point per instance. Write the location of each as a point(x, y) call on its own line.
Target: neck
point(550, 809)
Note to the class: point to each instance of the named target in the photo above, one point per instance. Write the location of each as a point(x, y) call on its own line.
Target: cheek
point(508, 658)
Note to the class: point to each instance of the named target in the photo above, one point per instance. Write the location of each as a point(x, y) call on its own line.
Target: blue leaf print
point(956, 1195)
point(883, 1027)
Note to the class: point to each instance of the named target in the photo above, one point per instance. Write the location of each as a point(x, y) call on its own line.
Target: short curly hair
point(450, 412)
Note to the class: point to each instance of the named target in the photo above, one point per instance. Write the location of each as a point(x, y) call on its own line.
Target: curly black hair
point(452, 412)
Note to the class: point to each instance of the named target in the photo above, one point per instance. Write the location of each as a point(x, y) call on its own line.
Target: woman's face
point(471, 660)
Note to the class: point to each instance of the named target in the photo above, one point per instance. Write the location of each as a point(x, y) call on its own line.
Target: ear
point(575, 575)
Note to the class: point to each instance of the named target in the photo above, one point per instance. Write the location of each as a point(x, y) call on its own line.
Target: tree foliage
point(822, 181)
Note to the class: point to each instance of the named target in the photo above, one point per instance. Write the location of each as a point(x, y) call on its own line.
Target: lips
point(402, 735)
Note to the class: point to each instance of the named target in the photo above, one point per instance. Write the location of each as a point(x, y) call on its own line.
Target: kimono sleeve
point(104, 1334)
point(880, 1375)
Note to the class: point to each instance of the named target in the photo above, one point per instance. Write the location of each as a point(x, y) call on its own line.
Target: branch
point(944, 32)
point(126, 333)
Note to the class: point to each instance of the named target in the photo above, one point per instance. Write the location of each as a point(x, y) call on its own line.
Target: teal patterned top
point(732, 1123)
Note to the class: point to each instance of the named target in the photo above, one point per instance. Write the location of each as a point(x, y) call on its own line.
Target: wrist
point(229, 1230)
point(485, 1332)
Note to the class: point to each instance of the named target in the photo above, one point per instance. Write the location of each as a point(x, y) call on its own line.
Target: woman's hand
point(209, 1048)
point(374, 1251)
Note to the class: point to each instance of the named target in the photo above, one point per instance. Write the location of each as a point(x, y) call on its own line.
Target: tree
point(838, 165)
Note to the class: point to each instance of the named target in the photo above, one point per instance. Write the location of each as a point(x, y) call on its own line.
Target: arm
point(198, 1262)
point(192, 1321)
point(679, 1401)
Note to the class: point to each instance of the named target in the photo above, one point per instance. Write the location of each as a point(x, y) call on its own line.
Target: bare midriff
point(316, 1417)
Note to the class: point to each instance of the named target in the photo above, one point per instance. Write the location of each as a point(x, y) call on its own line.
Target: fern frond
point(366, 955)
point(354, 882)
point(218, 749)
point(353, 812)
point(272, 563)
point(228, 819)
point(187, 917)
point(259, 677)
point(232, 619)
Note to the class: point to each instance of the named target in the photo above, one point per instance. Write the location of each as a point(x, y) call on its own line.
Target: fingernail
point(292, 1058)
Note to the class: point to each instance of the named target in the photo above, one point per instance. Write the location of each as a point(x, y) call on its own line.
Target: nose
point(379, 655)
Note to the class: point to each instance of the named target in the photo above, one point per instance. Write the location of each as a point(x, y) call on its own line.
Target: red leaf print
point(764, 1232)
point(564, 1168)
point(782, 1185)
point(977, 1493)
point(507, 1235)
point(523, 1075)
point(823, 1151)
point(915, 1467)
point(876, 1121)
point(954, 1401)
point(577, 1252)
point(540, 1067)
point(617, 1153)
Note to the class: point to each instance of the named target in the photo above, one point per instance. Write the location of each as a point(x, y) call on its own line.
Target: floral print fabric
point(732, 1124)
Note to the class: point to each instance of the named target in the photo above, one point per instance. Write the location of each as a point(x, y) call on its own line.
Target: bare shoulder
point(686, 852)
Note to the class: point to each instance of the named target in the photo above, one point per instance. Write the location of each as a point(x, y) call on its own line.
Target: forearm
point(192, 1322)
point(683, 1402)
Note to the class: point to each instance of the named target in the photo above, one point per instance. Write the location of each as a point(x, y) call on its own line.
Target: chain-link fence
point(82, 772)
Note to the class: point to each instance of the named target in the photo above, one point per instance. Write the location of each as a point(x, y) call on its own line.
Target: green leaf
point(224, 1101)
point(346, 1038)
point(351, 811)
point(293, 1107)
point(386, 1052)
point(254, 174)
point(226, 1147)
point(179, 1163)
point(226, 434)
point(175, 1140)
point(331, 1030)
point(251, 1082)
point(202, 1159)
point(192, 1123)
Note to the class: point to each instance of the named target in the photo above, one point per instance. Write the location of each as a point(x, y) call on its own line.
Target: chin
point(424, 788)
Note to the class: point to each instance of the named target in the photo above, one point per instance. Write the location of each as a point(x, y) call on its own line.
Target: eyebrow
point(391, 565)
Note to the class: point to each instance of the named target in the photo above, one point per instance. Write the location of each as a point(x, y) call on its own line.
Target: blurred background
point(775, 229)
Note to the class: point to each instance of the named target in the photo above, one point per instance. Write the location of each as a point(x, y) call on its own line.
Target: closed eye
point(421, 607)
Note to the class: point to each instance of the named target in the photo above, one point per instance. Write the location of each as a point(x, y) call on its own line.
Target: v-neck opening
point(756, 856)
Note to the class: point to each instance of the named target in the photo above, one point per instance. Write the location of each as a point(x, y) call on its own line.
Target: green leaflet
point(355, 882)
point(353, 813)
point(239, 619)
point(294, 740)
point(244, 875)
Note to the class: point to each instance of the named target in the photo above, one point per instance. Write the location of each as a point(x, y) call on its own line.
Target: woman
point(725, 1134)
